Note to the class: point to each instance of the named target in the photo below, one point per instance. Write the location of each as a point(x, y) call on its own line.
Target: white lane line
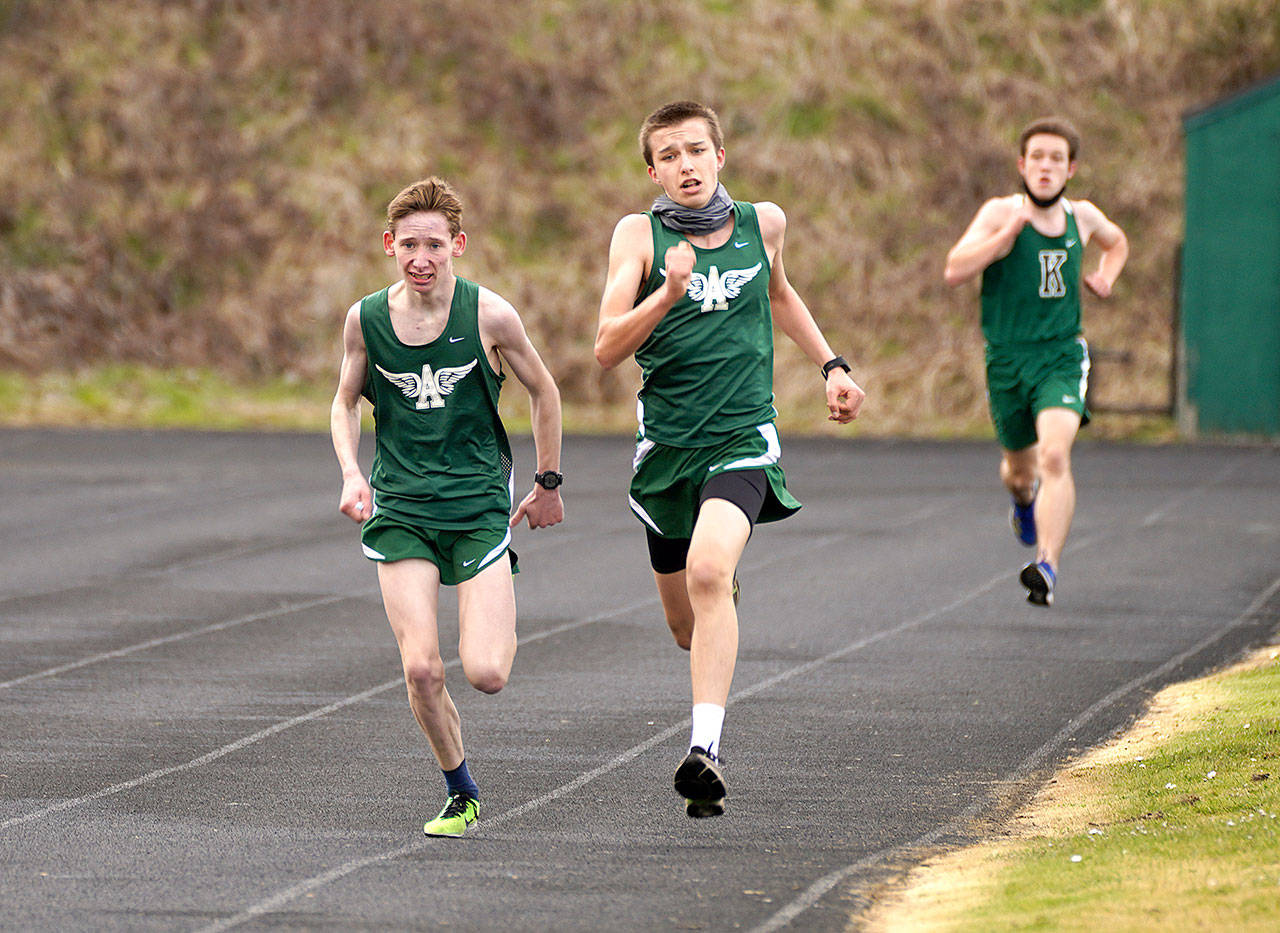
point(179, 636)
point(310, 884)
point(196, 762)
point(1161, 513)
point(286, 609)
point(819, 888)
point(248, 740)
point(280, 898)
point(314, 714)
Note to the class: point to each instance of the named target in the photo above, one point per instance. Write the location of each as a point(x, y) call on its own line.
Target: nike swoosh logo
point(468, 563)
point(739, 245)
point(456, 339)
point(1070, 243)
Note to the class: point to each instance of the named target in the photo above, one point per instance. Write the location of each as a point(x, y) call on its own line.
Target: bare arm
point(989, 237)
point(624, 325)
point(356, 501)
point(792, 315)
point(1094, 225)
point(502, 330)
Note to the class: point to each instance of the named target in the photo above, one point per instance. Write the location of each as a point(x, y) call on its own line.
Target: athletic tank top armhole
point(650, 284)
point(481, 350)
point(369, 305)
point(749, 212)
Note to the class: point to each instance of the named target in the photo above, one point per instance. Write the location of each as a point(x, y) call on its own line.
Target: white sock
point(708, 720)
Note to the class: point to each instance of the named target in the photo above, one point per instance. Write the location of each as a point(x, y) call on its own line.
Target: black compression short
point(744, 488)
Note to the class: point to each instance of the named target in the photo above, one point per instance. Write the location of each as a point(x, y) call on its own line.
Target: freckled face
point(685, 162)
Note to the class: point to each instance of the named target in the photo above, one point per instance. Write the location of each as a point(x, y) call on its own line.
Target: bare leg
point(1018, 472)
point(410, 594)
point(674, 593)
point(719, 537)
point(1056, 503)
point(487, 626)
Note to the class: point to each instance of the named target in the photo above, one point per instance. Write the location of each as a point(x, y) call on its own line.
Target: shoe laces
point(456, 805)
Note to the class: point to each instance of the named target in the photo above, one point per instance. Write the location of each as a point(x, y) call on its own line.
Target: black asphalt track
point(204, 725)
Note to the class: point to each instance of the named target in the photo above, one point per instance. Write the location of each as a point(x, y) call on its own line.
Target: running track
point(204, 726)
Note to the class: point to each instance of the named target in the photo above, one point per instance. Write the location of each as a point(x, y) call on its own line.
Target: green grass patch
point(1181, 833)
point(135, 396)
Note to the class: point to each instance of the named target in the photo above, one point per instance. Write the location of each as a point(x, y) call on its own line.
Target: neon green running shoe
point(459, 812)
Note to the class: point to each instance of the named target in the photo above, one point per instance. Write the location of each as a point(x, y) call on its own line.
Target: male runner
point(428, 352)
point(693, 288)
point(1029, 248)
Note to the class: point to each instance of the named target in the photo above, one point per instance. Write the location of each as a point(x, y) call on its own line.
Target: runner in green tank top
point(1029, 250)
point(693, 290)
point(429, 352)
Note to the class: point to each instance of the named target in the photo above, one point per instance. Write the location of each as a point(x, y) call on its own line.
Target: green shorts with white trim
point(1024, 381)
point(459, 555)
point(668, 481)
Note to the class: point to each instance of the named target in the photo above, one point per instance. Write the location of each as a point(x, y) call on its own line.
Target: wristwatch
point(836, 362)
point(548, 479)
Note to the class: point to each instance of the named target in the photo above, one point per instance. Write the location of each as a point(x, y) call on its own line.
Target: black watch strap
point(833, 363)
point(549, 479)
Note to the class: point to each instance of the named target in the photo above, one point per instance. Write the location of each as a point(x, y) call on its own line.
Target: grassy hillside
point(202, 184)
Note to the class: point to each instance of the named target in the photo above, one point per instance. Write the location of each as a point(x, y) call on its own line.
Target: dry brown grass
point(202, 184)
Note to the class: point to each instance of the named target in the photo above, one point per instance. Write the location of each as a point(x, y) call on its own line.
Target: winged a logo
point(715, 289)
point(429, 389)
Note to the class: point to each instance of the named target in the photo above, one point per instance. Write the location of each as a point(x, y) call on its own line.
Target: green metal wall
point(1230, 289)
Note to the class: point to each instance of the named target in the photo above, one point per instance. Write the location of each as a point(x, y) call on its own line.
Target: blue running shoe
point(1023, 519)
point(1039, 579)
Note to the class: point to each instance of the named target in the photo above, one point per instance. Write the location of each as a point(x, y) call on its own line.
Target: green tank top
point(1032, 295)
point(442, 459)
point(708, 366)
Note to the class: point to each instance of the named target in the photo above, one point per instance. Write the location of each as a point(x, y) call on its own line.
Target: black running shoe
point(699, 782)
point(1039, 579)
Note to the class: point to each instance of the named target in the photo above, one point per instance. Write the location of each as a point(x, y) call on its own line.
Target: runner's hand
point(1097, 283)
point(844, 397)
point(357, 499)
point(679, 261)
point(542, 507)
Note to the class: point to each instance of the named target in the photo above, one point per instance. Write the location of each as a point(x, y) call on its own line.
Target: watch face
point(548, 480)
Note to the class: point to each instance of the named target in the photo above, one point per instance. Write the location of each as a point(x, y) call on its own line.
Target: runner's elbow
point(606, 356)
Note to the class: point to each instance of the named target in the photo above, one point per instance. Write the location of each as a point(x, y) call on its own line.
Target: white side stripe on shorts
point(768, 458)
point(1084, 369)
point(496, 552)
point(643, 515)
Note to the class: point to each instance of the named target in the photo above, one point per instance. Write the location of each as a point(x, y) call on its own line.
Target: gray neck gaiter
point(698, 221)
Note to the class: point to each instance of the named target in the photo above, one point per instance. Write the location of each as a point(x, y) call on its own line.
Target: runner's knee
point(425, 677)
point(487, 670)
point(488, 678)
point(708, 576)
point(1055, 460)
